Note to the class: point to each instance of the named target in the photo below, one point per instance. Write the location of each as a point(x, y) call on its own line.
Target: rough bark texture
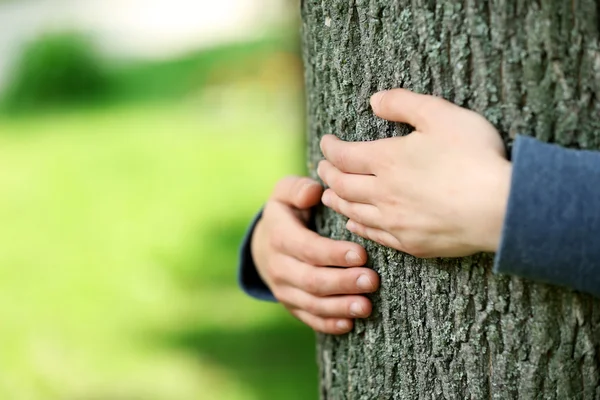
point(450, 329)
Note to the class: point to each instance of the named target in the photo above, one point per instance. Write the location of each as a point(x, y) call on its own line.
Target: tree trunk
point(450, 328)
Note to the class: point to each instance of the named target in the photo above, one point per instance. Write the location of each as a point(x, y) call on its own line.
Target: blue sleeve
point(248, 277)
point(551, 230)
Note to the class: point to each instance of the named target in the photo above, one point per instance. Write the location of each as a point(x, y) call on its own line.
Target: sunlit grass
point(118, 232)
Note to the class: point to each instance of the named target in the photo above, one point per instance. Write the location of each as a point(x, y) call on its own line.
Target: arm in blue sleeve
point(248, 277)
point(551, 229)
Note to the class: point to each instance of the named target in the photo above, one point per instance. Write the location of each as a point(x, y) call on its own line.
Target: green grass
point(119, 230)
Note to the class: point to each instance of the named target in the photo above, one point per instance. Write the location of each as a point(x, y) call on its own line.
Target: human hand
point(292, 260)
point(441, 191)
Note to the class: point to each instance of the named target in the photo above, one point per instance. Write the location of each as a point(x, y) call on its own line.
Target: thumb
point(299, 192)
point(401, 105)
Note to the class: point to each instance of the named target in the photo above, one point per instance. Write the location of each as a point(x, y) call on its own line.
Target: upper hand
point(292, 260)
point(439, 192)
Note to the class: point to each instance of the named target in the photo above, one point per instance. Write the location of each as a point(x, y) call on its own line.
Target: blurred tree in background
point(56, 69)
point(65, 69)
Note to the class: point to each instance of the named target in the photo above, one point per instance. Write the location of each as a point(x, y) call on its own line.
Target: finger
point(332, 326)
point(325, 281)
point(299, 242)
point(377, 235)
point(329, 307)
point(351, 187)
point(401, 105)
point(366, 214)
point(353, 157)
point(298, 192)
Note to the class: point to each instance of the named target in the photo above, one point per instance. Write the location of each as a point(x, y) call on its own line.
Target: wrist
point(498, 194)
point(259, 251)
point(255, 241)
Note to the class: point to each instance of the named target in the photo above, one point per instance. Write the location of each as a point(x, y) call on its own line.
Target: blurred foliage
point(56, 69)
point(228, 64)
point(61, 70)
point(224, 241)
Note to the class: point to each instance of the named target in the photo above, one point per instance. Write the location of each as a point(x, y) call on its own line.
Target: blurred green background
point(126, 184)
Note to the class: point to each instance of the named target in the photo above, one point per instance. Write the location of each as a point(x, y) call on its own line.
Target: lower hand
point(293, 261)
point(439, 192)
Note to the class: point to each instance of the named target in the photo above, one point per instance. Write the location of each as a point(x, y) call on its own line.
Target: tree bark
point(450, 328)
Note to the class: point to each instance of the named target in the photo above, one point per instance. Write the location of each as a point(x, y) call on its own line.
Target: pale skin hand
point(292, 260)
point(439, 192)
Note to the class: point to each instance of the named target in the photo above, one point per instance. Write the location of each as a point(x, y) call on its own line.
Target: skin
point(293, 261)
point(441, 191)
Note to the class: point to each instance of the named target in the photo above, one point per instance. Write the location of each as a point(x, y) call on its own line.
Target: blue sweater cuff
point(248, 277)
point(551, 230)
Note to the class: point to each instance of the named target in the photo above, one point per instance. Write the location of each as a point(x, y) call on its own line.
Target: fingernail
point(376, 98)
point(342, 325)
point(319, 167)
point(321, 143)
point(364, 283)
point(308, 185)
point(356, 310)
point(326, 199)
point(353, 258)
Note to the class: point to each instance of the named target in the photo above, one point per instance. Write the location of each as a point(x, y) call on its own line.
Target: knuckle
point(352, 212)
point(414, 251)
point(275, 274)
point(342, 158)
point(323, 169)
point(341, 206)
point(396, 225)
point(321, 326)
point(315, 326)
point(309, 253)
point(378, 238)
point(276, 239)
point(330, 253)
point(314, 284)
point(312, 307)
point(334, 201)
point(414, 247)
point(280, 295)
point(339, 184)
